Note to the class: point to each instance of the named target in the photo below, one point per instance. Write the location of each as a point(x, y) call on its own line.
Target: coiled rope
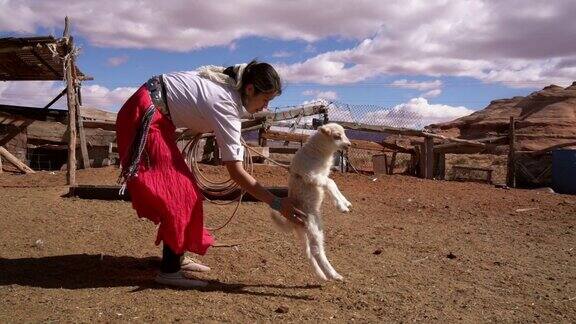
point(219, 188)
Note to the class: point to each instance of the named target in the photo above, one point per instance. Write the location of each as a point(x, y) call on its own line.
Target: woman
point(211, 99)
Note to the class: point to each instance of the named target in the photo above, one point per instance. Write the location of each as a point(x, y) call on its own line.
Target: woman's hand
point(292, 213)
point(248, 183)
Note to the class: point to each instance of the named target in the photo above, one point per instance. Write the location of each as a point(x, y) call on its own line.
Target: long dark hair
point(262, 75)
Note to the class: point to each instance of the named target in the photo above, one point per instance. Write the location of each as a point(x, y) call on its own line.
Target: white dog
point(309, 172)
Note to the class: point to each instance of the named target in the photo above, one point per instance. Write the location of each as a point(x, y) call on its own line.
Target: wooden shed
point(46, 58)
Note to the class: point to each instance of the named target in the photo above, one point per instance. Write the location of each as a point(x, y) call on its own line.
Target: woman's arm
point(248, 183)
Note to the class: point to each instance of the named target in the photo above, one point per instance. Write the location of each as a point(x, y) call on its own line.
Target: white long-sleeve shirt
point(203, 106)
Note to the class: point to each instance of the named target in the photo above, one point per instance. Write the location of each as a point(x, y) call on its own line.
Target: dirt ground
point(411, 250)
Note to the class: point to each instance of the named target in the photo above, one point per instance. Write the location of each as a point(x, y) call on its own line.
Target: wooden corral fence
point(428, 150)
point(532, 168)
point(47, 58)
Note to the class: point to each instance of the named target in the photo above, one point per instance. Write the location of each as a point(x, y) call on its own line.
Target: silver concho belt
point(158, 94)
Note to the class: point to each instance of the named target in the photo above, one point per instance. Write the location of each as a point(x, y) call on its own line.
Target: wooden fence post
point(440, 166)
point(427, 158)
point(261, 139)
point(511, 170)
point(81, 133)
point(71, 96)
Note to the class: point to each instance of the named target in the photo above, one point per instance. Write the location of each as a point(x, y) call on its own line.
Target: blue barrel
point(564, 171)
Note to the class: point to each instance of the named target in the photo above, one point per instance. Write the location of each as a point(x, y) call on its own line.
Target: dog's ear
point(325, 130)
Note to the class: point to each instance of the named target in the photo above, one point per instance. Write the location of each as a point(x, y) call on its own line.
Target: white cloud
point(117, 60)
point(432, 93)
point(515, 42)
point(422, 86)
point(416, 113)
point(432, 88)
point(309, 48)
point(40, 93)
point(282, 54)
point(328, 95)
point(97, 96)
point(32, 93)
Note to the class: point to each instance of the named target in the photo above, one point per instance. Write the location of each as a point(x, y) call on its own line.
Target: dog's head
point(335, 133)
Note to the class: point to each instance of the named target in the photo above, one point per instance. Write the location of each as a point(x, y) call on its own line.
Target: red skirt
point(164, 190)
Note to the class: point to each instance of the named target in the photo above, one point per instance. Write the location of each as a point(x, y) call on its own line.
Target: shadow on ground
point(81, 271)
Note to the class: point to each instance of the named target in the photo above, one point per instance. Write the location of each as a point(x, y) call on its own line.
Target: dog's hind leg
point(303, 238)
point(339, 200)
point(316, 238)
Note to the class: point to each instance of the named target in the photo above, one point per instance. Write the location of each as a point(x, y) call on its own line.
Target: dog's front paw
point(337, 276)
point(343, 207)
point(347, 203)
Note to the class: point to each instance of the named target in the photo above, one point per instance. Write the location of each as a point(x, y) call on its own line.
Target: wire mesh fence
point(360, 114)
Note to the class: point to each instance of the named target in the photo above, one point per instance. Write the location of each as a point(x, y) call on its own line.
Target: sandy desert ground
point(411, 250)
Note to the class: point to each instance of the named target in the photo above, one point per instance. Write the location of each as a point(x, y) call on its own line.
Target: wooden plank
point(304, 110)
point(548, 149)
point(404, 131)
point(14, 160)
point(23, 124)
point(12, 49)
point(422, 160)
point(381, 129)
point(439, 165)
point(81, 133)
point(429, 157)
point(392, 163)
point(301, 138)
point(469, 167)
point(488, 171)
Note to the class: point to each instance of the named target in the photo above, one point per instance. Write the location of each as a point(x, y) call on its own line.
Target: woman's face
point(255, 103)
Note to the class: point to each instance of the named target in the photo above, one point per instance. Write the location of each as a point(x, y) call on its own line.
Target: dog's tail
point(281, 222)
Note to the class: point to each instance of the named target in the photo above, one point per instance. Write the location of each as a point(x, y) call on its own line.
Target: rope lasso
point(211, 187)
point(219, 188)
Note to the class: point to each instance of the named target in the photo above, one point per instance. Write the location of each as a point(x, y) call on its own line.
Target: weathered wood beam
point(304, 110)
point(301, 138)
point(71, 96)
point(511, 170)
point(11, 49)
point(24, 124)
point(429, 158)
point(46, 64)
point(381, 129)
point(555, 136)
point(81, 133)
point(403, 131)
point(547, 150)
point(14, 160)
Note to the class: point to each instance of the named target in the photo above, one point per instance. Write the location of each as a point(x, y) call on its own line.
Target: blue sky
point(437, 59)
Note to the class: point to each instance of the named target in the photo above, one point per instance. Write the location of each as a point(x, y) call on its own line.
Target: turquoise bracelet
point(276, 204)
